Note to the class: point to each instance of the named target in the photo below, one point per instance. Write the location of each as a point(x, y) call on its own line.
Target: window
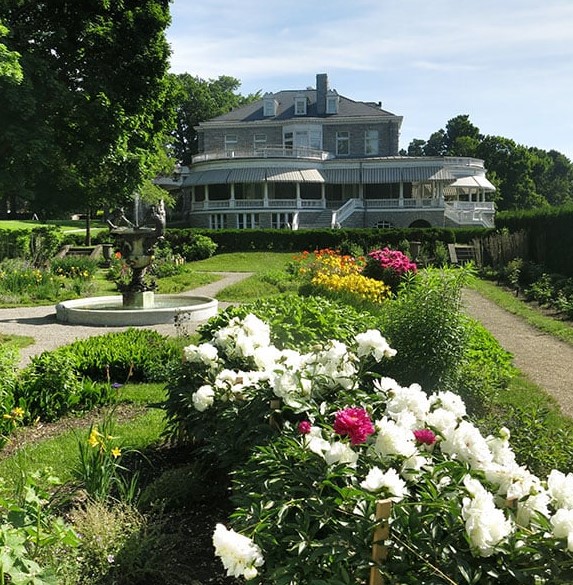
point(332, 102)
point(270, 105)
point(342, 143)
point(300, 106)
point(371, 142)
point(281, 220)
point(259, 143)
point(247, 221)
point(218, 221)
point(230, 144)
point(304, 137)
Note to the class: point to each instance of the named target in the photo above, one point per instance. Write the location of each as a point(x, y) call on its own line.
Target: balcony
point(299, 152)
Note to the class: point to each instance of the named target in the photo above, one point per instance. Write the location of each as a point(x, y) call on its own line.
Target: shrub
point(198, 248)
point(298, 322)
point(425, 325)
point(389, 266)
point(135, 354)
point(51, 386)
point(316, 440)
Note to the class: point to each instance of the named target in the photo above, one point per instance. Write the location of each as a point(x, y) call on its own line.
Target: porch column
point(401, 195)
point(298, 205)
point(232, 196)
point(323, 195)
point(206, 197)
point(265, 194)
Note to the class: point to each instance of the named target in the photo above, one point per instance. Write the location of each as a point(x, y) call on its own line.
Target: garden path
point(40, 322)
point(545, 360)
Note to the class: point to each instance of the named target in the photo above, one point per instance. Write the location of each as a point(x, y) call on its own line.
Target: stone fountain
point(138, 303)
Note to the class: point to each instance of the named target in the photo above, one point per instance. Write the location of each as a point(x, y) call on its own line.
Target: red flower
point(304, 427)
point(425, 436)
point(355, 423)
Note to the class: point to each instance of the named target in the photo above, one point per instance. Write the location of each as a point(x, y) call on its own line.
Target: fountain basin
point(110, 312)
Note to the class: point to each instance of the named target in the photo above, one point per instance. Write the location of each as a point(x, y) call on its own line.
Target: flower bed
point(315, 441)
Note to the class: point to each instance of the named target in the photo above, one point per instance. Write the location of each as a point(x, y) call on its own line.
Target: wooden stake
point(381, 533)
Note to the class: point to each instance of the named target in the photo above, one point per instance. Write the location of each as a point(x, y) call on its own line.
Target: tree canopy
point(525, 177)
point(201, 100)
point(89, 122)
point(9, 60)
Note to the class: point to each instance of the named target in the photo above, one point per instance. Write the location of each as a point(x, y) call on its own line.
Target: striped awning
point(342, 176)
point(247, 175)
point(473, 182)
point(376, 175)
point(214, 177)
point(312, 176)
point(284, 176)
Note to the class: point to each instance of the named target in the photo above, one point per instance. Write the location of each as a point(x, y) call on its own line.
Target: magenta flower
point(304, 427)
point(425, 436)
point(355, 423)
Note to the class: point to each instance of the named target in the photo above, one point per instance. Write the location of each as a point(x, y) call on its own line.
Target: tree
point(201, 100)
point(9, 60)
point(100, 101)
point(524, 177)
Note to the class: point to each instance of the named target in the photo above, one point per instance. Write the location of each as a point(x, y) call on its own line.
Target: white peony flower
point(448, 401)
point(560, 487)
point(384, 385)
point(203, 398)
point(372, 343)
point(562, 523)
point(393, 439)
point(442, 421)
point(411, 399)
point(467, 444)
point(485, 524)
point(205, 353)
point(240, 555)
point(339, 452)
point(378, 480)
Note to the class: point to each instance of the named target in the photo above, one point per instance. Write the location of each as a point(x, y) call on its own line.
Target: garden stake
point(381, 533)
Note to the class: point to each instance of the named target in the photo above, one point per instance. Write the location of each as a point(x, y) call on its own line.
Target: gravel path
point(40, 322)
point(545, 360)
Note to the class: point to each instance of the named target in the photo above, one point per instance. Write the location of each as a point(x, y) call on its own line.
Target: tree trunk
point(88, 240)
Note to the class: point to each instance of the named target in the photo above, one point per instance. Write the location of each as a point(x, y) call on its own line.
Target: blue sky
point(508, 64)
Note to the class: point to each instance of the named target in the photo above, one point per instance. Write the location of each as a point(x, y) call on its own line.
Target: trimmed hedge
point(550, 235)
point(296, 241)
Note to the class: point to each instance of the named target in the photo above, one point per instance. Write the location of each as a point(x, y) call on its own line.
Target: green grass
point(60, 453)
point(509, 302)
point(65, 224)
point(245, 262)
point(18, 341)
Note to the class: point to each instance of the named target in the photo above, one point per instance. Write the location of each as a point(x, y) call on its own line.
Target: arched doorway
point(420, 223)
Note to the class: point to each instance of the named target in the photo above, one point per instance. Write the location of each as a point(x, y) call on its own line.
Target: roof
point(347, 108)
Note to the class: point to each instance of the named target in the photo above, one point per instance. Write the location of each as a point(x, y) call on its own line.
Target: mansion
point(315, 159)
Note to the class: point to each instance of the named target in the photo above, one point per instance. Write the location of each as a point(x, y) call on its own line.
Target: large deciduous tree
point(89, 122)
point(525, 177)
point(201, 100)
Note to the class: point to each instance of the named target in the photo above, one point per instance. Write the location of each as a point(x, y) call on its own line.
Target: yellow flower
point(116, 452)
point(18, 412)
point(93, 439)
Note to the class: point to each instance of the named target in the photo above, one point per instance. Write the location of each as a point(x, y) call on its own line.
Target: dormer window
point(300, 106)
point(270, 105)
point(332, 100)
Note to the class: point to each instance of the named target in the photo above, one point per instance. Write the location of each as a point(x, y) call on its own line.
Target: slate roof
point(347, 108)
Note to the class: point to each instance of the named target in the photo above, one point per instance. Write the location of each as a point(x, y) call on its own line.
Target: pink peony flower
point(304, 427)
point(355, 423)
point(425, 436)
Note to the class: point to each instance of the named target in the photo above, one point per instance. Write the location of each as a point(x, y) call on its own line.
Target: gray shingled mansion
point(314, 158)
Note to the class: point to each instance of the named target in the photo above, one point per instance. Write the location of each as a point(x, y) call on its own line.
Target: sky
point(508, 64)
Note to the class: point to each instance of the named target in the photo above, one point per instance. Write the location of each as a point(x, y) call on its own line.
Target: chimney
point(321, 91)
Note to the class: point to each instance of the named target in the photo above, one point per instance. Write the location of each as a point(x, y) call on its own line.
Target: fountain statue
point(138, 303)
point(136, 245)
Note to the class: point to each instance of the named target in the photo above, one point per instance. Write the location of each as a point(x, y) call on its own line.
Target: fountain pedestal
point(138, 299)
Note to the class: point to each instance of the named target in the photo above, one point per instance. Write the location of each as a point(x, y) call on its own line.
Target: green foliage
point(199, 247)
point(81, 267)
point(31, 533)
point(229, 241)
point(484, 372)
point(51, 386)
point(134, 354)
point(99, 464)
point(298, 322)
point(426, 327)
